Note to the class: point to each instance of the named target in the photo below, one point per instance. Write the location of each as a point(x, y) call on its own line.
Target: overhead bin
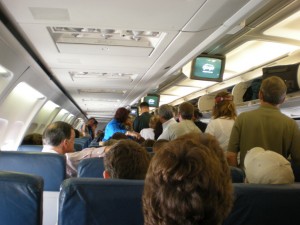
point(289, 73)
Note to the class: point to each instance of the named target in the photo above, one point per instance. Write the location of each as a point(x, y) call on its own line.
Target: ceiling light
point(101, 91)
point(96, 75)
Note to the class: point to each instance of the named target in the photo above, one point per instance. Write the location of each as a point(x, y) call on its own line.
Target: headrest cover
point(267, 167)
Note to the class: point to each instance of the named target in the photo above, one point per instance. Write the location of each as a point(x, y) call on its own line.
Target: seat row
point(99, 201)
point(79, 144)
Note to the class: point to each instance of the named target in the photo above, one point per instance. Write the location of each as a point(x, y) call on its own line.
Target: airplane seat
point(296, 170)
point(30, 148)
point(237, 175)
point(51, 167)
point(78, 147)
point(83, 141)
point(92, 167)
point(21, 198)
point(100, 201)
point(265, 204)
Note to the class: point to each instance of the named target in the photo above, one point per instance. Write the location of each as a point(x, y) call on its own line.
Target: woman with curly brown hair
point(188, 182)
point(223, 117)
point(117, 124)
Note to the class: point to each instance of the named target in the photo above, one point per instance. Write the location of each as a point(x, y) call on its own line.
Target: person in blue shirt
point(117, 124)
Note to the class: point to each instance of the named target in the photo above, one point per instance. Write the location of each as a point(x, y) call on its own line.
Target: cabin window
point(45, 116)
point(5, 77)
point(61, 116)
point(18, 109)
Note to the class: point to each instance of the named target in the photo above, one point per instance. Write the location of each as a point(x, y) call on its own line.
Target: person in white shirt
point(166, 116)
point(186, 124)
point(148, 133)
point(59, 138)
point(223, 117)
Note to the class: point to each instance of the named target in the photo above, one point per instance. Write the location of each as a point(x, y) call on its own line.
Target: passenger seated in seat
point(126, 160)
point(267, 167)
point(33, 139)
point(59, 138)
point(188, 182)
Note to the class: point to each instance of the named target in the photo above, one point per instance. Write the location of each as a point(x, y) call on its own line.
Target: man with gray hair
point(265, 127)
point(185, 125)
point(166, 117)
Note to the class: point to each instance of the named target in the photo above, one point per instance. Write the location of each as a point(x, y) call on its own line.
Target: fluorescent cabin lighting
point(288, 28)
point(255, 53)
point(27, 91)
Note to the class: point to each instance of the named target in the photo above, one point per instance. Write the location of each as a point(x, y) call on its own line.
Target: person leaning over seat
point(117, 124)
point(59, 138)
point(186, 125)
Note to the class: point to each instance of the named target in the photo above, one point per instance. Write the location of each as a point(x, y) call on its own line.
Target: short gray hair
point(165, 111)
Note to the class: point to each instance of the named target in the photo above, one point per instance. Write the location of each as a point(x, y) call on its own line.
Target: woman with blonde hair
point(223, 117)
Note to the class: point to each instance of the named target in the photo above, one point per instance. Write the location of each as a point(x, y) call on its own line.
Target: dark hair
point(197, 114)
point(273, 90)
point(186, 110)
point(158, 129)
point(188, 182)
point(224, 106)
point(144, 104)
point(56, 132)
point(118, 136)
point(121, 115)
point(148, 143)
point(127, 160)
point(32, 139)
point(93, 119)
point(165, 111)
point(77, 133)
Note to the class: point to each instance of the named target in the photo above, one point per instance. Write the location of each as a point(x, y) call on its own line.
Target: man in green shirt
point(265, 127)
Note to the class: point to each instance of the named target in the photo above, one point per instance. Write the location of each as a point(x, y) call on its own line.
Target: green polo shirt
point(268, 128)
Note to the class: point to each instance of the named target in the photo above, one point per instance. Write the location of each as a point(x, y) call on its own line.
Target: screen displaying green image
point(152, 100)
point(207, 68)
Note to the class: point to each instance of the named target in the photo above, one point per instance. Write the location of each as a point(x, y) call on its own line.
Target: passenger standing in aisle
point(223, 117)
point(186, 124)
point(142, 121)
point(166, 115)
point(265, 127)
point(118, 125)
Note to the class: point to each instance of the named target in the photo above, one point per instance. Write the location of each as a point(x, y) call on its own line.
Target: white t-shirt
point(221, 129)
point(147, 133)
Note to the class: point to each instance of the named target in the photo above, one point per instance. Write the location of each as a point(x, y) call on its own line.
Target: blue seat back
point(259, 204)
point(30, 148)
point(83, 141)
point(92, 167)
point(78, 147)
point(51, 167)
point(101, 201)
point(237, 175)
point(21, 199)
